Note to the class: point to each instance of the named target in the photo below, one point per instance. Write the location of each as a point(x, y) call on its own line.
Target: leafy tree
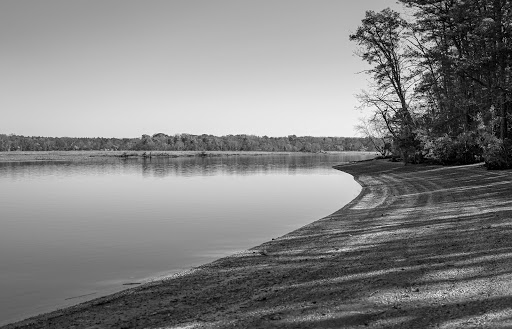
point(442, 80)
point(381, 38)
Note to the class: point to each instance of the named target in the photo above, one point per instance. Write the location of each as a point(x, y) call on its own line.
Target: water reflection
point(186, 166)
point(232, 165)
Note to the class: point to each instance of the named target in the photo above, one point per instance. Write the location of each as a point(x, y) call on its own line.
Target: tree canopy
point(188, 142)
point(441, 79)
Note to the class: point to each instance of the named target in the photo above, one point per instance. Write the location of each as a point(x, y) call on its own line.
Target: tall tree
point(468, 46)
point(381, 38)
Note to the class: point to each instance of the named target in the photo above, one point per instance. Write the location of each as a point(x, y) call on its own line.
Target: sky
point(123, 68)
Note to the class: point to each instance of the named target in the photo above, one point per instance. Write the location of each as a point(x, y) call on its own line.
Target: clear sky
point(123, 68)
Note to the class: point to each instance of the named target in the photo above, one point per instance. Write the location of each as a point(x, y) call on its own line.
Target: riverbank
point(16, 156)
point(420, 247)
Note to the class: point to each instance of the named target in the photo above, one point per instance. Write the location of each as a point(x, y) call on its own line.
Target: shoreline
point(18, 156)
point(420, 246)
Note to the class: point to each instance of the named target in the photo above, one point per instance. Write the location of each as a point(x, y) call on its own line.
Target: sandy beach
point(420, 247)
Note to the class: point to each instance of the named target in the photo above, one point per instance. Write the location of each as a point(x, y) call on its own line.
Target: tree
point(381, 38)
point(468, 45)
point(376, 133)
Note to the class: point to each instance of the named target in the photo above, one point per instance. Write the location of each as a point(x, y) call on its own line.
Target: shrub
point(463, 149)
point(407, 148)
point(497, 153)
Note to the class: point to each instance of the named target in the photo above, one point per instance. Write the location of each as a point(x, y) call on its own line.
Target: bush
point(497, 153)
point(407, 148)
point(464, 149)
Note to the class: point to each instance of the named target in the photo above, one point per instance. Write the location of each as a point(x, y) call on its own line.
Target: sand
point(420, 247)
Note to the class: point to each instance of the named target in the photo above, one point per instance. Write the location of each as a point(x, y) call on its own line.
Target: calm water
point(74, 231)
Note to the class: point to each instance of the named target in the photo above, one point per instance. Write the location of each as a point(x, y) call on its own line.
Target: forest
point(440, 86)
point(187, 142)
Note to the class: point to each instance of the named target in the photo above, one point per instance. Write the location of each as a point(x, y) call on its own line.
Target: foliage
point(381, 41)
point(497, 153)
point(454, 61)
point(463, 149)
point(187, 142)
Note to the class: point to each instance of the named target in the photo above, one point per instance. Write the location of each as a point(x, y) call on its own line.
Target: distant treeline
point(187, 142)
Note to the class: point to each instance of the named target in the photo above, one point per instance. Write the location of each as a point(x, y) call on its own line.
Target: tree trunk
point(503, 120)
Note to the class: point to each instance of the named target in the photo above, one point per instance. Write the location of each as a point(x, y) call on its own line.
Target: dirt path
point(421, 247)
